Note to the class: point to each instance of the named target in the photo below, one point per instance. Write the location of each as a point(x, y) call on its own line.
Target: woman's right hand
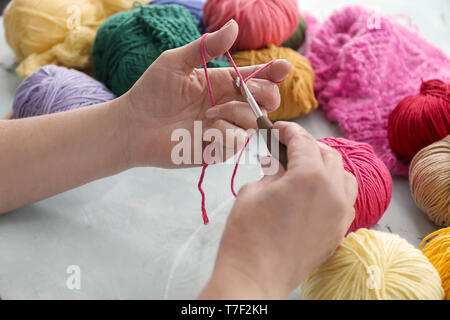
point(284, 226)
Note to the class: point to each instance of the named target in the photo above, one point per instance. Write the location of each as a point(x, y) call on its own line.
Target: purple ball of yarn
point(54, 89)
point(195, 8)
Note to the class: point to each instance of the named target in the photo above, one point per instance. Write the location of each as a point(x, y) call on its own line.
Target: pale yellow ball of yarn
point(429, 177)
point(56, 31)
point(374, 265)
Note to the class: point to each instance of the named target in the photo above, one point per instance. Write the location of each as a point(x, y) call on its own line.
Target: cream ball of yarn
point(374, 265)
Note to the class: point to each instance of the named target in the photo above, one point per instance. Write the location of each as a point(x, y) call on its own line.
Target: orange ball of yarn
point(261, 22)
point(437, 251)
point(297, 91)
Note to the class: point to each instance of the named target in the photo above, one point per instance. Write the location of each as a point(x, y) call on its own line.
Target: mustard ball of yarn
point(57, 32)
point(437, 251)
point(374, 265)
point(429, 177)
point(297, 91)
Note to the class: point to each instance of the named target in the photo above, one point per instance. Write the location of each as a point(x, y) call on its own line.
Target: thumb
point(189, 57)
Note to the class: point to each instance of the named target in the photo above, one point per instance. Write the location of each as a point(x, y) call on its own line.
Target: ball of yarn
point(421, 119)
point(54, 89)
point(195, 7)
point(129, 42)
point(261, 22)
point(373, 177)
point(429, 177)
point(298, 38)
point(297, 91)
point(55, 31)
point(437, 250)
point(374, 265)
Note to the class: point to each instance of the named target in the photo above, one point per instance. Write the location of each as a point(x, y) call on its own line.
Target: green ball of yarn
point(298, 37)
point(128, 42)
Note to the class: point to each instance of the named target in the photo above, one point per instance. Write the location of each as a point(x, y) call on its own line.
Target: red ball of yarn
point(374, 180)
point(421, 119)
point(261, 22)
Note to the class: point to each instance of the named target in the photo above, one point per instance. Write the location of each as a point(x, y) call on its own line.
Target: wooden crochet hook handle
point(271, 140)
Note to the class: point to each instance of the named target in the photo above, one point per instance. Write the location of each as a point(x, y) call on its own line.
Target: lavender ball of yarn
point(54, 89)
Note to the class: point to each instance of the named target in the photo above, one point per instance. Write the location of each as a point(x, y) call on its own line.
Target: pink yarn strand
point(211, 96)
point(205, 67)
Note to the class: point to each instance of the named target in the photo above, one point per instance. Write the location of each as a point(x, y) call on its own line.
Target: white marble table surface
point(139, 235)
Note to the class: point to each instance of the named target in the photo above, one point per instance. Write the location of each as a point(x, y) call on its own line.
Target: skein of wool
point(374, 265)
point(364, 67)
point(437, 250)
point(261, 22)
point(195, 8)
point(54, 89)
point(129, 42)
point(55, 31)
point(374, 180)
point(298, 37)
point(421, 119)
point(429, 177)
point(297, 91)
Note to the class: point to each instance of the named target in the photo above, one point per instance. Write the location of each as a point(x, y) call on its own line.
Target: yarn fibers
point(195, 8)
point(363, 71)
point(429, 177)
point(421, 119)
point(261, 22)
point(373, 177)
point(298, 37)
point(374, 265)
point(297, 91)
point(129, 42)
point(55, 31)
point(437, 251)
point(54, 89)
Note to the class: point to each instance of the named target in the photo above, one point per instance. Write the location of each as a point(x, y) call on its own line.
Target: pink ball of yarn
point(374, 180)
point(261, 22)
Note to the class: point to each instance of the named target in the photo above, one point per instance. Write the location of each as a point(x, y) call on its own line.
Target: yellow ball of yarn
point(297, 91)
point(429, 177)
point(437, 251)
point(374, 265)
point(56, 31)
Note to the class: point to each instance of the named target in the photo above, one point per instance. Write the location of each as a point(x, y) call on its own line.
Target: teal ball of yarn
point(128, 42)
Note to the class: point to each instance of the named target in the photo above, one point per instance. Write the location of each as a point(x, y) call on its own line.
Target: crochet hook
point(264, 123)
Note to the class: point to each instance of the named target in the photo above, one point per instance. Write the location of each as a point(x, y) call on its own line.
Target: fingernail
point(212, 113)
point(227, 24)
